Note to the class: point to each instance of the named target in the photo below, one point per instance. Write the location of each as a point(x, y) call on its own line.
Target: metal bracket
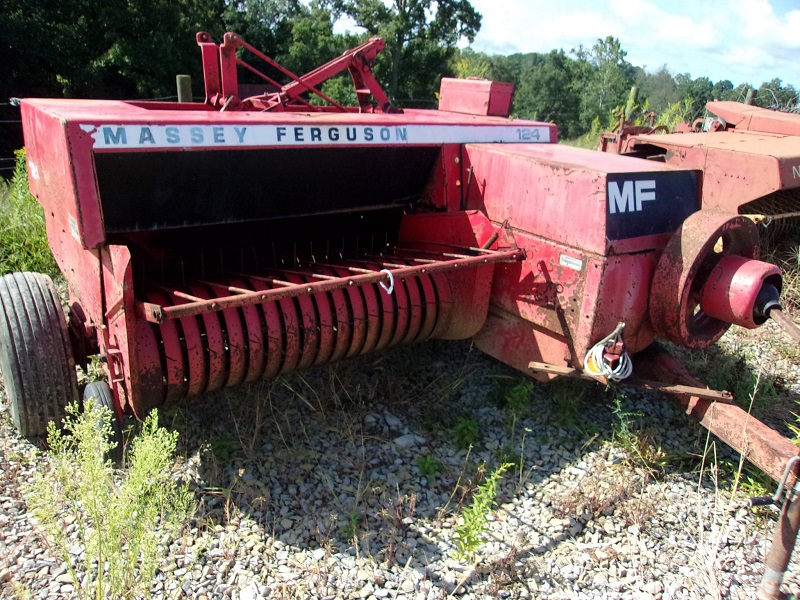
point(777, 497)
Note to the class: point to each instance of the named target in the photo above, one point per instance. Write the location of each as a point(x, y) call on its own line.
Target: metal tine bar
point(304, 274)
point(426, 261)
point(238, 290)
point(351, 269)
point(158, 314)
point(470, 248)
point(257, 278)
point(186, 296)
point(414, 251)
point(378, 260)
point(177, 293)
point(422, 260)
point(455, 246)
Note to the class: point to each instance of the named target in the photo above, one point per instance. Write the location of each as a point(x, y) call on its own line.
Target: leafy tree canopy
point(134, 49)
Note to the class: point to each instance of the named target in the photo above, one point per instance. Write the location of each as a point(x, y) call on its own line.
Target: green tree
point(699, 91)
point(420, 35)
point(265, 24)
point(85, 48)
point(659, 89)
point(469, 63)
point(773, 94)
point(721, 89)
point(547, 92)
point(606, 78)
point(312, 42)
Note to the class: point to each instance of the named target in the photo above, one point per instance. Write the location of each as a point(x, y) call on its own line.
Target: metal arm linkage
point(222, 88)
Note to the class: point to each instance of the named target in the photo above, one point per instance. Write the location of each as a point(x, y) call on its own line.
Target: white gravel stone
point(409, 440)
point(330, 502)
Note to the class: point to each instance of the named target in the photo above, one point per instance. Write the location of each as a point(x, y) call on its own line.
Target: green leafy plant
point(23, 239)
point(569, 396)
point(221, 448)
point(428, 466)
point(468, 534)
point(518, 397)
point(119, 517)
point(465, 432)
point(350, 528)
point(639, 445)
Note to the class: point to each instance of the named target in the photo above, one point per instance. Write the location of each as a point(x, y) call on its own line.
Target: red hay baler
point(211, 244)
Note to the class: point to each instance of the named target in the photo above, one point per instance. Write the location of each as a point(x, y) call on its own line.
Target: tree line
point(134, 49)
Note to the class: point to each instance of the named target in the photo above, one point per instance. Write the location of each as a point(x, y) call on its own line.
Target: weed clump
point(468, 533)
point(23, 239)
point(107, 526)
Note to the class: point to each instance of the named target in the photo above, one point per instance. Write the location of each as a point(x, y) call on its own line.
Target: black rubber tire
point(101, 393)
point(35, 352)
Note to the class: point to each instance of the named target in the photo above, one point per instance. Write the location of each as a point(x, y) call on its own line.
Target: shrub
point(23, 239)
point(118, 518)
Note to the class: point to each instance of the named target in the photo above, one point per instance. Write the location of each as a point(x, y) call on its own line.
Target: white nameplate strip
point(213, 136)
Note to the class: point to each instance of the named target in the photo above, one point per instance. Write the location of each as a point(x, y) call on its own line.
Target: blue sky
point(746, 41)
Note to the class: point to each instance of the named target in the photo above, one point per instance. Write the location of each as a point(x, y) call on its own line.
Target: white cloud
point(740, 40)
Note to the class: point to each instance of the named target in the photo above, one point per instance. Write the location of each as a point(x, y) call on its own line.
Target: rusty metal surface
point(758, 443)
point(780, 552)
point(689, 257)
point(687, 391)
point(754, 118)
point(249, 342)
point(553, 191)
point(157, 313)
point(221, 62)
point(786, 323)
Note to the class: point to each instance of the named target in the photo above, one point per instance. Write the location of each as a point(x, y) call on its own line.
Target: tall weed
point(107, 525)
point(468, 534)
point(23, 239)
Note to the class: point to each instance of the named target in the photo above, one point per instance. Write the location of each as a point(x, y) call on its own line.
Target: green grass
point(23, 239)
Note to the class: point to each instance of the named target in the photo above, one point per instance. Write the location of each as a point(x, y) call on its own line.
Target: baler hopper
point(213, 244)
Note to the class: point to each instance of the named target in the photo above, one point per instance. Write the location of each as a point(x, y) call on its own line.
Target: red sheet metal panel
point(755, 118)
point(215, 344)
point(738, 167)
point(475, 96)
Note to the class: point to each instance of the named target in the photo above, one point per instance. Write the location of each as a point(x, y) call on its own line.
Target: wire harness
point(608, 358)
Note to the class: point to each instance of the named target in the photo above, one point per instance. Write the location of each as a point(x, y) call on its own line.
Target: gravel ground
point(348, 482)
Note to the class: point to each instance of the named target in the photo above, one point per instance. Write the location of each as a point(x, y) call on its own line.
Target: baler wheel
point(35, 352)
point(102, 395)
point(688, 259)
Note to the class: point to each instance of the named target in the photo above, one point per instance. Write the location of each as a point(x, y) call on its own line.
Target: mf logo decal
point(631, 196)
point(649, 203)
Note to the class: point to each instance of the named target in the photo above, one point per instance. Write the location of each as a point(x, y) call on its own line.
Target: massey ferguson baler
point(212, 244)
